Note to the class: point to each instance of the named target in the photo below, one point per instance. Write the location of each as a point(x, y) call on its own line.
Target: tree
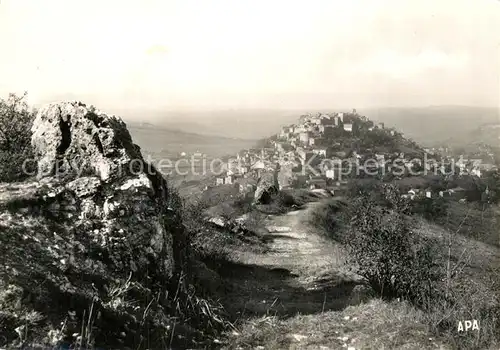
point(16, 120)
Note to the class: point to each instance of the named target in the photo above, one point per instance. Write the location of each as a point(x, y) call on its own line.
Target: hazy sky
point(252, 53)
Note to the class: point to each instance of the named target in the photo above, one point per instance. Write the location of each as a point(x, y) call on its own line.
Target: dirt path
point(299, 295)
point(301, 273)
point(296, 246)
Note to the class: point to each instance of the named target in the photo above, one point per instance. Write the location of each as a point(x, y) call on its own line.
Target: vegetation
point(394, 246)
point(286, 200)
point(385, 250)
point(430, 208)
point(15, 139)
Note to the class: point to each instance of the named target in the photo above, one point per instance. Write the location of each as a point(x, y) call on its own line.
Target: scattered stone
point(299, 337)
point(278, 229)
point(218, 221)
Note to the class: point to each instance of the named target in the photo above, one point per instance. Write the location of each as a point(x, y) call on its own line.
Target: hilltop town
point(325, 150)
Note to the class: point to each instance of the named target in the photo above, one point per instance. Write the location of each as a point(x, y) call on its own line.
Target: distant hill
point(427, 125)
point(488, 134)
point(436, 124)
point(154, 139)
point(232, 123)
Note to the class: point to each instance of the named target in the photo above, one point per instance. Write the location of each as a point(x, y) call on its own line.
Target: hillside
point(100, 251)
point(435, 125)
point(94, 252)
point(303, 294)
point(483, 139)
point(164, 141)
point(427, 125)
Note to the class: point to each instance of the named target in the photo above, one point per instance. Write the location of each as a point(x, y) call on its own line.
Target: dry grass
point(482, 223)
point(373, 325)
point(473, 285)
point(57, 288)
point(472, 282)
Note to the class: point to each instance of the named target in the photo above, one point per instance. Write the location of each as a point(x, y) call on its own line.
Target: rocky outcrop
point(285, 177)
point(267, 186)
point(95, 245)
point(99, 176)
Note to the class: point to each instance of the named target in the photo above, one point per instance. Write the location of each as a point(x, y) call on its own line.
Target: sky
point(277, 54)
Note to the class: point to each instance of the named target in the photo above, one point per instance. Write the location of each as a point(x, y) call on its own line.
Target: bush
point(430, 208)
point(15, 138)
point(328, 219)
point(286, 200)
point(384, 250)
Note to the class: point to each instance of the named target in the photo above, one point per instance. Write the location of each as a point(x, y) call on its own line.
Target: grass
point(286, 200)
point(376, 324)
point(57, 286)
point(471, 267)
point(481, 224)
point(473, 284)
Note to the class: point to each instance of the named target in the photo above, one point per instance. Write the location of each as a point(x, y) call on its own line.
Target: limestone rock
point(129, 196)
point(70, 138)
point(266, 187)
point(100, 229)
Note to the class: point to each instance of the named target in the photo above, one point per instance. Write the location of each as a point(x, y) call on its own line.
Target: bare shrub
point(384, 249)
point(15, 139)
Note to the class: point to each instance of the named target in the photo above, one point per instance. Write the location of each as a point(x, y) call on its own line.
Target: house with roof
point(341, 154)
point(285, 131)
point(316, 182)
point(316, 121)
point(380, 159)
point(279, 146)
point(242, 170)
point(457, 193)
point(320, 151)
point(304, 137)
point(412, 193)
point(301, 153)
point(475, 172)
point(329, 128)
point(487, 166)
point(258, 167)
point(228, 180)
point(298, 129)
point(328, 121)
point(348, 127)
